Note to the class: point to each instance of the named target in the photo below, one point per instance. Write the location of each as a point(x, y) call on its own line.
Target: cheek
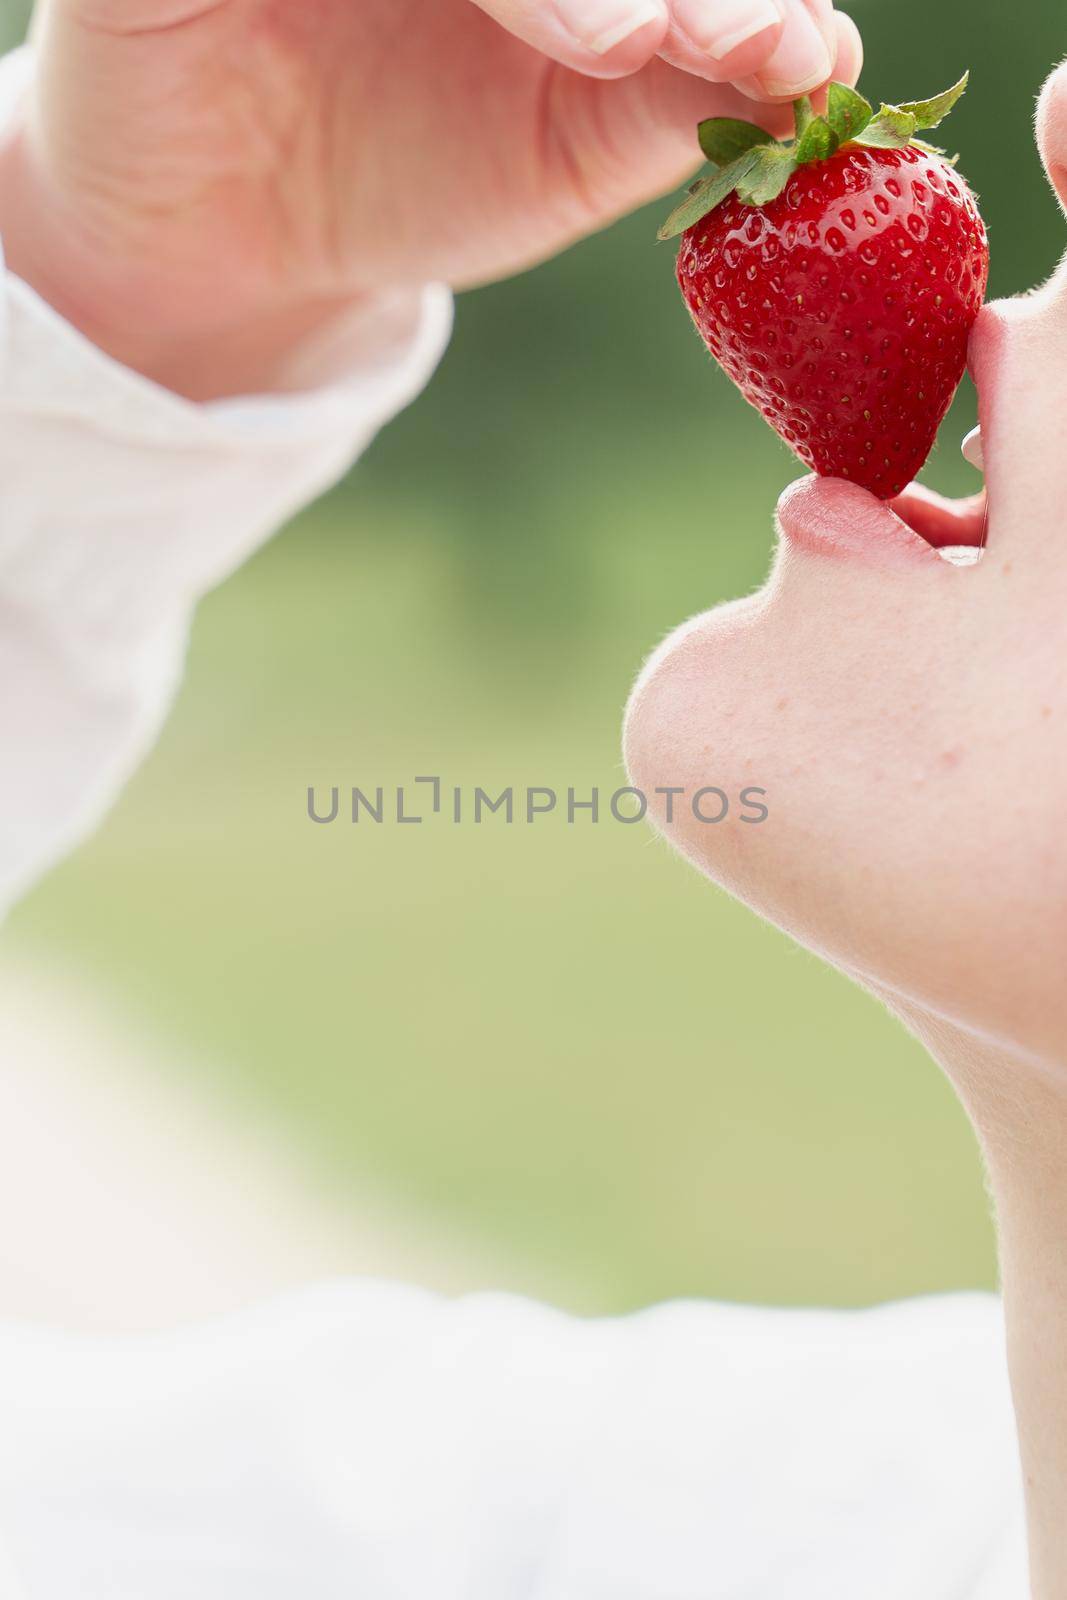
point(895, 844)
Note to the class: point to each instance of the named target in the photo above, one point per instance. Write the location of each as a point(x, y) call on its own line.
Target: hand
point(199, 181)
point(908, 719)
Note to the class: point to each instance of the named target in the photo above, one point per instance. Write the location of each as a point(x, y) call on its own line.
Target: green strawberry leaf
point(882, 139)
point(817, 142)
point(723, 139)
point(896, 126)
point(891, 129)
point(749, 161)
point(706, 195)
point(931, 113)
point(765, 181)
point(847, 112)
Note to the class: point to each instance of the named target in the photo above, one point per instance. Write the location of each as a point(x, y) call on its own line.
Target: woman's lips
point(831, 518)
point(943, 522)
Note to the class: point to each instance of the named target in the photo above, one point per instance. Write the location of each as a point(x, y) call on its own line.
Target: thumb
point(618, 144)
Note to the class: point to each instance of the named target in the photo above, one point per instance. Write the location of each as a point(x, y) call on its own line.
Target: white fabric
point(120, 505)
point(367, 1440)
point(372, 1441)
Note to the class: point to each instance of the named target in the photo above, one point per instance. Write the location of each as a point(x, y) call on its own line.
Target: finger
point(1052, 131)
point(846, 60)
point(600, 38)
point(804, 58)
point(631, 140)
point(674, 102)
point(782, 61)
point(724, 39)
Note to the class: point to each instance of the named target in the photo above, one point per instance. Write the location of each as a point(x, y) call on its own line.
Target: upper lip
point(985, 349)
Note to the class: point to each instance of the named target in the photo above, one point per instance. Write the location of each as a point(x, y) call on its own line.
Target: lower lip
point(833, 519)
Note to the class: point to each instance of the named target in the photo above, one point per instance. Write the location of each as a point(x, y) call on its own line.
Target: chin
point(852, 690)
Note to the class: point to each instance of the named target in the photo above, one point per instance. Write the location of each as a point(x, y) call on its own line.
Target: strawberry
point(837, 278)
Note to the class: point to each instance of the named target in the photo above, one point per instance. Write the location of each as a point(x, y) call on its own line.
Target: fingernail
point(802, 60)
point(719, 29)
point(973, 450)
point(601, 25)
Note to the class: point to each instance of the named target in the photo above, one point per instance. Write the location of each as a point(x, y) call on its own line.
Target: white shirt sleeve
point(120, 506)
point(374, 1441)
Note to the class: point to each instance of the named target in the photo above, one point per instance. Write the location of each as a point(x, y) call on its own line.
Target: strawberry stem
point(748, 162)
point(804, 115)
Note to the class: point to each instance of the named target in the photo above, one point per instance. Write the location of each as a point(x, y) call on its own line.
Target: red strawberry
point(837, 279)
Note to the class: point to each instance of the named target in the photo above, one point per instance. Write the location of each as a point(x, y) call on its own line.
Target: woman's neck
point(1019, 1111)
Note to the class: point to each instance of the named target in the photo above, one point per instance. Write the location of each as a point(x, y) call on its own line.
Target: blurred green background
point(556, 1041)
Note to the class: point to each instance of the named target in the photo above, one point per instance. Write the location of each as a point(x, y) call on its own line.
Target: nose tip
point(1052, 130)
point(1054, 88)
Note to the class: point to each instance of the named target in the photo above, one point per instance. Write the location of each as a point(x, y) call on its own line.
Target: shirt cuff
point(121, 503)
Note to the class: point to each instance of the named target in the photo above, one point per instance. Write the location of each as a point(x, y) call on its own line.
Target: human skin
point(199, 184)
point(902, 714)
point(906, 717)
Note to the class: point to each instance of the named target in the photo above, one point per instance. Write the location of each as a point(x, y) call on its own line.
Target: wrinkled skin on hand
point(229, 164)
